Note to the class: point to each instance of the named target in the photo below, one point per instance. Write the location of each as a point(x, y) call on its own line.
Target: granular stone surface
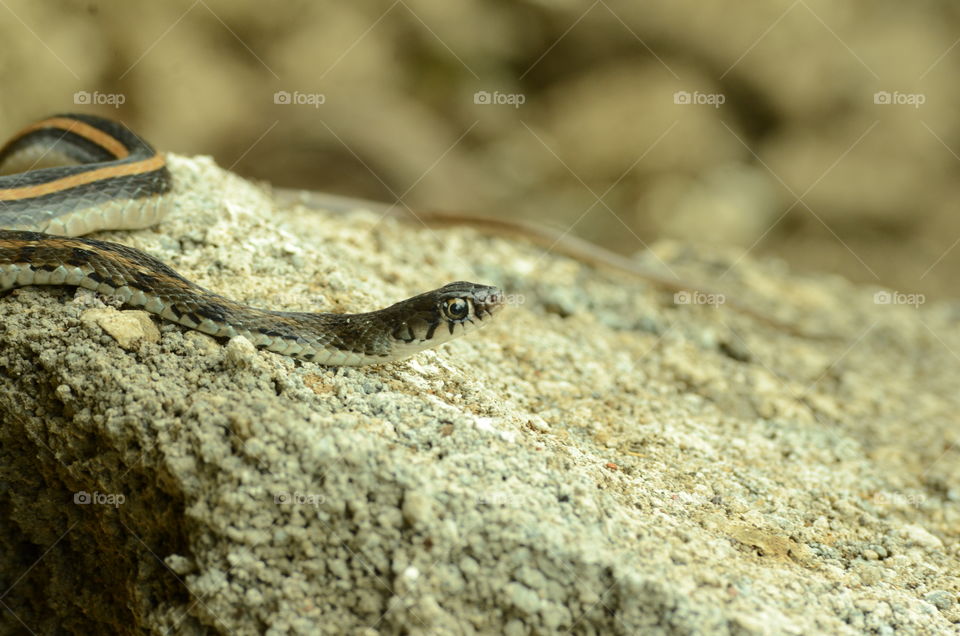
point(599, 459)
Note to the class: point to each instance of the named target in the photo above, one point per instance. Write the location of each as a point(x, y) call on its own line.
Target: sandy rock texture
point(599, 459)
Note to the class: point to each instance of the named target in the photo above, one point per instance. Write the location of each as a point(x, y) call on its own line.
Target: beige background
point(798, 162)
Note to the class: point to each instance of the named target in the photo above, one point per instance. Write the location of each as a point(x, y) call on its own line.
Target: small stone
point(515, 628)
point(240, 352)
point(417, 508)
point(129, 328)
point(941, 599)
point(179, 564)
point(523, 598)
point(919, 535)
point(869, 574)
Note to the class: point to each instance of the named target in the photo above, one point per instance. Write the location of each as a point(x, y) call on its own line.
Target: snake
point(74, 174)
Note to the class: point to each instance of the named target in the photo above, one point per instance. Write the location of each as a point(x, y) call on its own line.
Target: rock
point(197, 485)
point(129, 328)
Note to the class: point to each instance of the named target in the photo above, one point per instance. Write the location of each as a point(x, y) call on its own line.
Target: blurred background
point(822, 133)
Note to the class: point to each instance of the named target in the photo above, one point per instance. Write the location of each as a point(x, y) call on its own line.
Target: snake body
point(76, 174)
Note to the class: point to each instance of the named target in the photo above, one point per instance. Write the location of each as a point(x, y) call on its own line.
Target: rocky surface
point(599, 459)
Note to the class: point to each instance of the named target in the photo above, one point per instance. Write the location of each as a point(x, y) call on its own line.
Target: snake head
point(443, 314)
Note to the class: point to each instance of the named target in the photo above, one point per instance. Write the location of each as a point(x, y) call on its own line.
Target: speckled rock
point(598, 460)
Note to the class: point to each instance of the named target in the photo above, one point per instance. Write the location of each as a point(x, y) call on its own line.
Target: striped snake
point(70, 175)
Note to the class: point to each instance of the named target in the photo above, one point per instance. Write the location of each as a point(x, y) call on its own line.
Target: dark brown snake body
point(86, 173)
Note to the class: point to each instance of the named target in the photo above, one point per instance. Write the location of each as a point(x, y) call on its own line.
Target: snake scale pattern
point(70, 175)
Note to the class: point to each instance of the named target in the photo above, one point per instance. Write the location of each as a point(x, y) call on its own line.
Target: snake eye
point(456, 308)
